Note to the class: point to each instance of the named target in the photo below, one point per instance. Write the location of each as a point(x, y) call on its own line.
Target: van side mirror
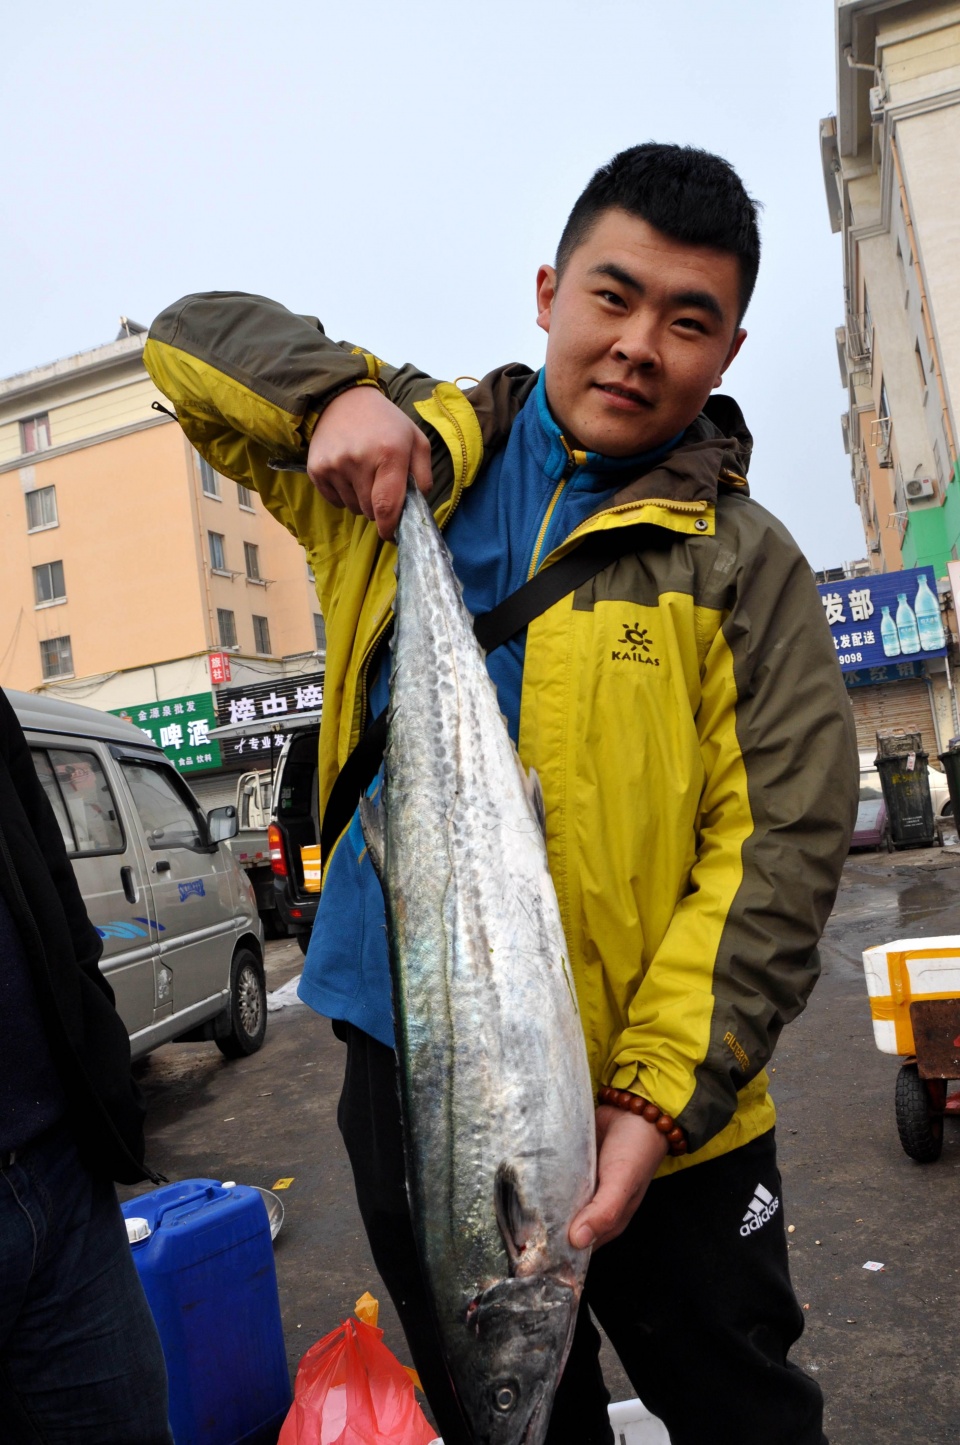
point(222, 823)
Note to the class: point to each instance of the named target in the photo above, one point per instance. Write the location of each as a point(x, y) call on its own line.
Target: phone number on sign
point(850, 657)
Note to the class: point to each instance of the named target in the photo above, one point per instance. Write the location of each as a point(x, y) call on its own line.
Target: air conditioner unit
point(920, 487)
point(875, 546)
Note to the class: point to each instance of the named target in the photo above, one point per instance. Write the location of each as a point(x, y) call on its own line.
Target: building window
point(35, 433)
point(920, 368)
point(246, 497)
point(938, 460)
point(884, 403)
point(56, 657)
point(217, 562)
point(48, 583)
point(209, 479)
point(261, 634)
point(251, 557)
point(320, 631)
point(42, 509)
point(227, 624)
point(311, 576)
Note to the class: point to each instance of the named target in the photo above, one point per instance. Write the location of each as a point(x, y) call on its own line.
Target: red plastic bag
point(351, 1390)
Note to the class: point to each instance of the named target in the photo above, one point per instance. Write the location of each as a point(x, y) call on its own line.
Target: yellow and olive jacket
point(700, 789)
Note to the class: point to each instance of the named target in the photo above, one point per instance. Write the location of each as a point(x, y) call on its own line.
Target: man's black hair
point(685, 193)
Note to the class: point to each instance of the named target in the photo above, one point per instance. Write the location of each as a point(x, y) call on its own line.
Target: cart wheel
point(921, 1133)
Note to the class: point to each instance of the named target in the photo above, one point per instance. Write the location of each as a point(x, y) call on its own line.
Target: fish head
point(519, 1334)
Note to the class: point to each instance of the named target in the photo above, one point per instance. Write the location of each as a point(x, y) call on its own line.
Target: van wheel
point(248, 1007)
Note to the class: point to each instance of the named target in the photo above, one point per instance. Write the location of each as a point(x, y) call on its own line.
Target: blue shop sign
point(884, 617)
point(893, 672)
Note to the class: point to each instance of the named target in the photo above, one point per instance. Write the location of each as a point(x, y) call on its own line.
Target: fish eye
point(505, 1396)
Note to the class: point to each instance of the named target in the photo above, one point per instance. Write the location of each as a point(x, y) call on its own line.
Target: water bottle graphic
point(889, 635)
point(929, 625)
point(907, 626)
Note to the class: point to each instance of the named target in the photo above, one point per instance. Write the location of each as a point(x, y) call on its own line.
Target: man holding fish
point(683, 711)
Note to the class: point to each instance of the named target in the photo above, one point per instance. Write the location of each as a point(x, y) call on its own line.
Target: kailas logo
point(763, 1206)
point(634, 646)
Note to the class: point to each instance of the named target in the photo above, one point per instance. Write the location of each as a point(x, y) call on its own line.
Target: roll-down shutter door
point(892, 707)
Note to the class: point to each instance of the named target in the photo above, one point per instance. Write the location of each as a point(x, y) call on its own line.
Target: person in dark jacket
point(80, 1358)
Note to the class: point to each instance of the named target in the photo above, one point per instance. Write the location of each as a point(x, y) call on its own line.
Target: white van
point(182, 941)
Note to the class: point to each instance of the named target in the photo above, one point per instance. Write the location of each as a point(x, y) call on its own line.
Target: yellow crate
point(310, 858)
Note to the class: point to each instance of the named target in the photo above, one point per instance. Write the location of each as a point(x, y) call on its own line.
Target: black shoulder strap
point(492, 629)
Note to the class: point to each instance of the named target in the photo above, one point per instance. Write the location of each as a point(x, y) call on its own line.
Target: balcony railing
point(881, 437)
point(859, 340)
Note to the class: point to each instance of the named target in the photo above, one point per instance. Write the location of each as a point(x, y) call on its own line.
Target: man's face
point(640, 330)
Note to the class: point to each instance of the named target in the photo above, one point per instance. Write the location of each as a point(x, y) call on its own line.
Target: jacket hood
point(712, 455)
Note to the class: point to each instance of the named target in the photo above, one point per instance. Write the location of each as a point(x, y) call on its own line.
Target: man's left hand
point(630, 1151)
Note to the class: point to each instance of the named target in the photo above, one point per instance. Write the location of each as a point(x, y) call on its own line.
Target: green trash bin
point(951, 768)
point(902, 765)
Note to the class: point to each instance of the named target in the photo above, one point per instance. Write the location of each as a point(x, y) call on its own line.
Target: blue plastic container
point(208, 1273)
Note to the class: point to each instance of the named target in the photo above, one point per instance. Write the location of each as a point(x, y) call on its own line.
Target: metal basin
point(274, 1209)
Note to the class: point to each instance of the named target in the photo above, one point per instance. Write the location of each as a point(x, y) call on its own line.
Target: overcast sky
point(401, 170)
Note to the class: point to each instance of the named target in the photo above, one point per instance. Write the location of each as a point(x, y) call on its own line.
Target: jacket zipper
point(531, 571)
point(574, 459)
point(38, 941)
point(666, 503)
point(372, 652)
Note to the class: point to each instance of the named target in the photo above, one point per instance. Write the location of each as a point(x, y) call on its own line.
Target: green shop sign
point(181, 726)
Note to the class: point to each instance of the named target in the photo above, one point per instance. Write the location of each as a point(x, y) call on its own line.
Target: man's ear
point(546, 291)
point(740, 337)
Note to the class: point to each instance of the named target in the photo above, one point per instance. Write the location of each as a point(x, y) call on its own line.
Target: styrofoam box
point(901, 973)
point(632, 1425)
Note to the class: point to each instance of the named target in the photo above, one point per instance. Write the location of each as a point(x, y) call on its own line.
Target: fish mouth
point(537, 1424)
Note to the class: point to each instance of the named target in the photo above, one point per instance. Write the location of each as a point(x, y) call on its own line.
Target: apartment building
point(891, 165)
point(126, 560)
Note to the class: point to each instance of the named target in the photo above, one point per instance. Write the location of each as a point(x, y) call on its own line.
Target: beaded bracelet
point(620, 1099)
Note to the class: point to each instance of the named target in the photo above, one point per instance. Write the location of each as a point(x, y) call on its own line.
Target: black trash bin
point(902, 765)
point(951, 768)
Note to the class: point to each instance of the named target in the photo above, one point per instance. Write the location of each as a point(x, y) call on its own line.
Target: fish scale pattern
point(486, 1007)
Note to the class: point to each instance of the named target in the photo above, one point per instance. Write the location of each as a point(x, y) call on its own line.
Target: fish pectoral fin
point(534, 792)
point(372, 819)
point(520, 1226)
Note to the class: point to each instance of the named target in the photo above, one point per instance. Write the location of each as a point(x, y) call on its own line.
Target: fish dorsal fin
point(374, 834)
point(518, 1224)
point(534, 792)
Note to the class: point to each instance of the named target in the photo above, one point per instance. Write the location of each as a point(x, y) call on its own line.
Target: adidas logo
point(763, 1206)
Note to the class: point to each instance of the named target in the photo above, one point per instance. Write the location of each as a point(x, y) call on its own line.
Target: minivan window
point(86, 810)
point(168, 820)
point(49, 784)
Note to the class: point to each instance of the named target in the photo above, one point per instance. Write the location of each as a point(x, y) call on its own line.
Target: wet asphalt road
point(881, 1344)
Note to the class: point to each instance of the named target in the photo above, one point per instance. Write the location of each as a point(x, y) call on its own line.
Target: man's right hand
point(361, 453)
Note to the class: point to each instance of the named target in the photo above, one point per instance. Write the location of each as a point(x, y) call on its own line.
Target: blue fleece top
point(494, 536)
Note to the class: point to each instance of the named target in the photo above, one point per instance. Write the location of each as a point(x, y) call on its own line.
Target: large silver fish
point(497, 1100)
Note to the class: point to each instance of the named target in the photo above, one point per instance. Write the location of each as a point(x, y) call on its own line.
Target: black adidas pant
point(697, 1304)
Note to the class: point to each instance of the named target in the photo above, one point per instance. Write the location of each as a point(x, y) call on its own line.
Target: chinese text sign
point(885, 618)
point(181, 726)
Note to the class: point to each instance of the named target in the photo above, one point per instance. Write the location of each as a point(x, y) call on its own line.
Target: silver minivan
point(182, 940)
